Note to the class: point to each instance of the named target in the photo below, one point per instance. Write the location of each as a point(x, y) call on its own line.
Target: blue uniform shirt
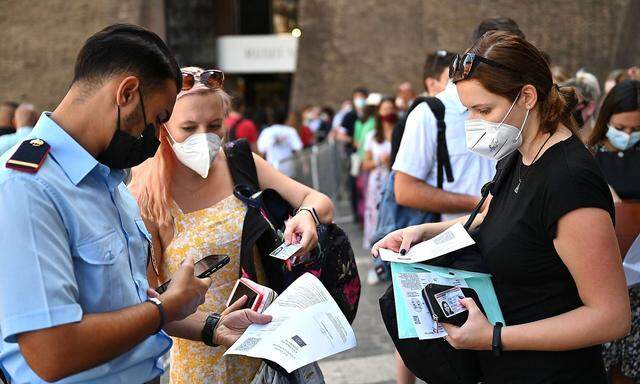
point(72, 243)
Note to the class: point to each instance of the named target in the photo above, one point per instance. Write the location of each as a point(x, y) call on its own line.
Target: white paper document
point(454, 238)
point(412, 285)
point(307, 326)
point(632, 264)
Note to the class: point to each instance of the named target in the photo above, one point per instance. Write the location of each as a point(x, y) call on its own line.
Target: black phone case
point(429, 292)
point(163, 288)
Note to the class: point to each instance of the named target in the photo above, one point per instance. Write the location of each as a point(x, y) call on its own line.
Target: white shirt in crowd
point(417, 154)
point(279, 142)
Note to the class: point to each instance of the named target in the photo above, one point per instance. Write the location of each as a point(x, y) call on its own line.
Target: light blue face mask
point(622, 140)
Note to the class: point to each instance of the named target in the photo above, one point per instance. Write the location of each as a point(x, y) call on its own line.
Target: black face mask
point(126, 151)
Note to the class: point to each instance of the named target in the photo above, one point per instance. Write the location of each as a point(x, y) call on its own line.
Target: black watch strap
point(209, 328)
point(496, 344)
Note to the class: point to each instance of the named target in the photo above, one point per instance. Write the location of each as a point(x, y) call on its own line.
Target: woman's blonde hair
point(151, 183)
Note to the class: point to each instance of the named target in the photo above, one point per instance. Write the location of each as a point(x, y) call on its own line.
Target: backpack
point(391, 215)
point(332, 261)
point(446, 364)
point(231, 135)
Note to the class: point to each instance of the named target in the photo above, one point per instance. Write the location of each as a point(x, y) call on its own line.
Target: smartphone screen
point(240, 290)
point(203, 268)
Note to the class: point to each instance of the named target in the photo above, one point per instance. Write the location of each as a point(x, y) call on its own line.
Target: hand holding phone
point(203, 268)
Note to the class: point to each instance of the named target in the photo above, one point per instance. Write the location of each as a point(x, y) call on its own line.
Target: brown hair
point(529, 66)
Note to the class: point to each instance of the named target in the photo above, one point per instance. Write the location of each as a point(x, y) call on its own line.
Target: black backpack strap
point(241, 164)
point(398, 130)
point(232, 130)
point(503, 168)
point(442, 152)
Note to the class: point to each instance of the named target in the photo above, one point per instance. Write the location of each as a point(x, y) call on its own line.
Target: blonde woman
point(186, 197)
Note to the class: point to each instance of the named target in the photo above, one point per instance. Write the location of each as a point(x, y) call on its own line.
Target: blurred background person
point(25, 118)
point(296, 121)
point(559, 74)
point(405, 94)
point(365, 124)
point(7, 111)
point(435, 72)
point(326, 124)
point(279, 142)
point(588, 92)
point(377, 163)
point(239, 126)
point(613, 78)
point(616, 142)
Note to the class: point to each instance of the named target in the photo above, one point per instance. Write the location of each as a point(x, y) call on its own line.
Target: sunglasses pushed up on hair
point(211, 78)
point(462, 67)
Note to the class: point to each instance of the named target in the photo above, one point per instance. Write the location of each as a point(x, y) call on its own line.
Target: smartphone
point(242, 289)
point(203, 268)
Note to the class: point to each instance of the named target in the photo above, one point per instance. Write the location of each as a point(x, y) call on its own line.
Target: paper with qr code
point(454, 238)
point(411, 286)
point(307, 326)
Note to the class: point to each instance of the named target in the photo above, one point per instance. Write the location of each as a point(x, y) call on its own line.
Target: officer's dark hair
point(126, 48)
point(497, 24)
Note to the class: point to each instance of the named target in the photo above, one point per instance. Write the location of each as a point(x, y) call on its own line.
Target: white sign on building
point(257, 53)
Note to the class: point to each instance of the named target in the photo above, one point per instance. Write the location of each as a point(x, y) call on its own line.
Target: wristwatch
point(209, 329)
point(155, 301)
point(496, 344)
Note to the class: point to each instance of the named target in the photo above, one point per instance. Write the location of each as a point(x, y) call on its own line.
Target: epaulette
point(29, 156)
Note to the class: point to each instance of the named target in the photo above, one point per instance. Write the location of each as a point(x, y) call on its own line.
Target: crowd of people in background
point(608, 113)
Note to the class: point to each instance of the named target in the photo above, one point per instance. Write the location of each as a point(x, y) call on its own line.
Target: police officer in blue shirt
point(75, 305)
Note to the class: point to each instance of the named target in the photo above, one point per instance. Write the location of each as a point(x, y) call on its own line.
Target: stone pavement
point(373, 360)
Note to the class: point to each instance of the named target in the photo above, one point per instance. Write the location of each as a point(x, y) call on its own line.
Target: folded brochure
point(307, 326)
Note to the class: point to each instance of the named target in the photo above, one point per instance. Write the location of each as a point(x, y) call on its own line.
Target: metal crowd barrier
point(325, 168)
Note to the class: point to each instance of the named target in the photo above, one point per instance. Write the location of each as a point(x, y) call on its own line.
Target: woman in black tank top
point(547, 236)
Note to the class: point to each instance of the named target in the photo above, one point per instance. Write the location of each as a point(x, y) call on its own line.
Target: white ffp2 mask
point(197, 151)
point(494, 140)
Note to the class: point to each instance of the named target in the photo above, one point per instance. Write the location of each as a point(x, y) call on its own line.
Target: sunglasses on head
point(462, 67)
point(211, 78)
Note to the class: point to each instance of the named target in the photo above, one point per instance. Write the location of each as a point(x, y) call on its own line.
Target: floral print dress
point(213, 230)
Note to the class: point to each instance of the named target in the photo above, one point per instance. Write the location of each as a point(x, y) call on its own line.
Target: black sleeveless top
point(530, 279)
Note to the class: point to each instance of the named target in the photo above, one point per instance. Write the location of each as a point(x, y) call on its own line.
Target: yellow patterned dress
point(213, 230)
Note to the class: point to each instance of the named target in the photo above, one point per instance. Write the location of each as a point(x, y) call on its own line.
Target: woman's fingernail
point(403, 252)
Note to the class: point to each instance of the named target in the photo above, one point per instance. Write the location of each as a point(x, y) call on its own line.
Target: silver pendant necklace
point(520, 179)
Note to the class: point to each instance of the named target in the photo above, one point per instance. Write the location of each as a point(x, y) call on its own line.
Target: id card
point(449, 301)
point(284, 252)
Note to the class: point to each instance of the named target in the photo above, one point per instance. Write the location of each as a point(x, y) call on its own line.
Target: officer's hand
point(185, 293)
point(233, 322)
